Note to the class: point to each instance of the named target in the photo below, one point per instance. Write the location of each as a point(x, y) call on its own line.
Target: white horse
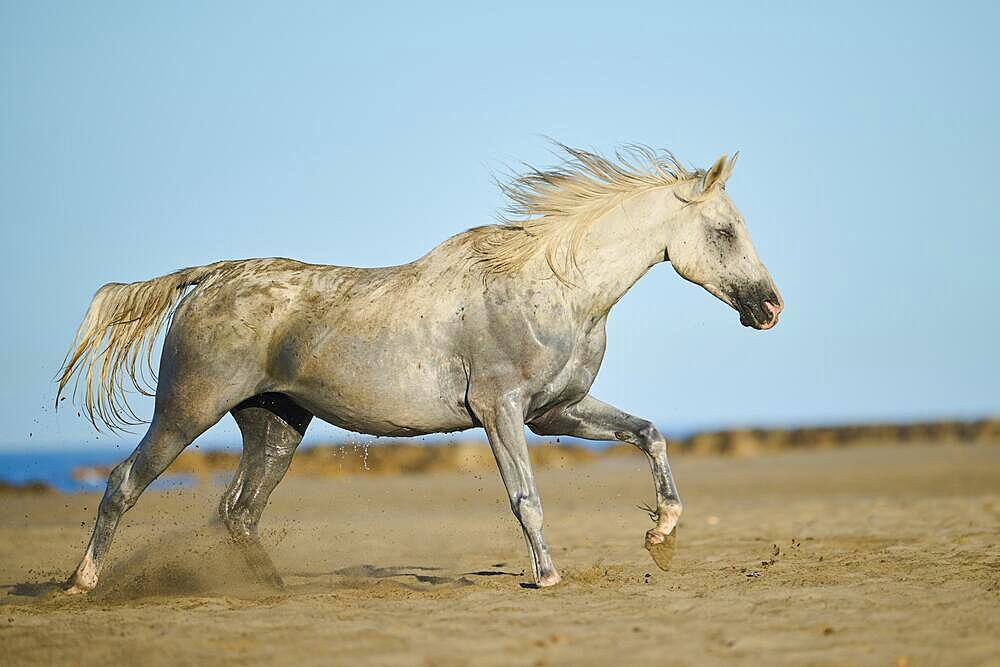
point(500, 326)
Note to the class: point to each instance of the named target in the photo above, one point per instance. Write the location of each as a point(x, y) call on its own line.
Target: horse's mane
point(551, 210)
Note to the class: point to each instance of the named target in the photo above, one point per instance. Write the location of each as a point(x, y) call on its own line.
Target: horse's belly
point(387, 398)
point(387, 418)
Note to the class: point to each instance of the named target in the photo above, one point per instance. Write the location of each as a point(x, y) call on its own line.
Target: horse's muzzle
point(760, 313)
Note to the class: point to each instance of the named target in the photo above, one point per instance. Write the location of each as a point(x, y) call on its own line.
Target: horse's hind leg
point(166, 437)
point(272, 426)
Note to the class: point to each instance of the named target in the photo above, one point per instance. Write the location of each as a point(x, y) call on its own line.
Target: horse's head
point(710, 246)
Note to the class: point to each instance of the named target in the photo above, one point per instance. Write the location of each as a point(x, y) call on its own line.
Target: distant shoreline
point(49, 472)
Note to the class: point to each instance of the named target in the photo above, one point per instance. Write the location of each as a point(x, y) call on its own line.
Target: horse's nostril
point(773, 307)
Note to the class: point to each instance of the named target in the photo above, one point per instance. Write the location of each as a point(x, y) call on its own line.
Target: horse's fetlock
point(669, 515)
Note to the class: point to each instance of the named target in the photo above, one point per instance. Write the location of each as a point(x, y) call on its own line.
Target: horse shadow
point(405, 575)
point(35, 589)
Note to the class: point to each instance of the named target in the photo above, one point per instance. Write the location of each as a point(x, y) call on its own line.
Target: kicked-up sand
point(884, 555)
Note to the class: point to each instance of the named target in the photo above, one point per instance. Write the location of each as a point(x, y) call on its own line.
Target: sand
point(859, 556)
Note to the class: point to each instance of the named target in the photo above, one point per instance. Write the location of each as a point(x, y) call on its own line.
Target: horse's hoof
point(78, 583)
point(549, 580)
point(75, 589)
point(661, 547)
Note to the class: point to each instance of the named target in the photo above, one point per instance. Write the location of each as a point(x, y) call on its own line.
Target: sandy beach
point(883, 555)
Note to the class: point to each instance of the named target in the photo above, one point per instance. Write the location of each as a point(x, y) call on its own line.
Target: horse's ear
point(729, 167)
point(715, 175)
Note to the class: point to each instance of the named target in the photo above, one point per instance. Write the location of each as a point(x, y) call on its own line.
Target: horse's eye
point(725, 233)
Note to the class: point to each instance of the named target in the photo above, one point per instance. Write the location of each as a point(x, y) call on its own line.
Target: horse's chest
point(569, 378)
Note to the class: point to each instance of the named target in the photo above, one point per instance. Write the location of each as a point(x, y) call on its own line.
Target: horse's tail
point(119, 329)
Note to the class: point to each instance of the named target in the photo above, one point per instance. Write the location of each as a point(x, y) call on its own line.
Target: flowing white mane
point(551, 210)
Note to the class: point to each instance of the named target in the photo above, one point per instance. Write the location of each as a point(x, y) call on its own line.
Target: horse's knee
point(650, 440)
point(528, 509)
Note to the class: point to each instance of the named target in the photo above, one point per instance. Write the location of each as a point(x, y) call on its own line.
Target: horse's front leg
point(503, 419)
point(592, 419)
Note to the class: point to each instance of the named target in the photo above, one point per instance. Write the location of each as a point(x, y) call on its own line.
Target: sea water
point(55, 468)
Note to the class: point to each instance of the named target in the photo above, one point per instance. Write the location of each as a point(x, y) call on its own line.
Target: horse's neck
point(621, 247)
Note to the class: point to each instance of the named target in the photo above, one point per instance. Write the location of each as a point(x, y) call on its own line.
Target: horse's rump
point(114, 343)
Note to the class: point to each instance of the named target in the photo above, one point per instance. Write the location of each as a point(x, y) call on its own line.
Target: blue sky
point(136, 138)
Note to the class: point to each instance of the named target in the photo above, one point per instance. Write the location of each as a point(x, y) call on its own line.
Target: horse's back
point(367, 349)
